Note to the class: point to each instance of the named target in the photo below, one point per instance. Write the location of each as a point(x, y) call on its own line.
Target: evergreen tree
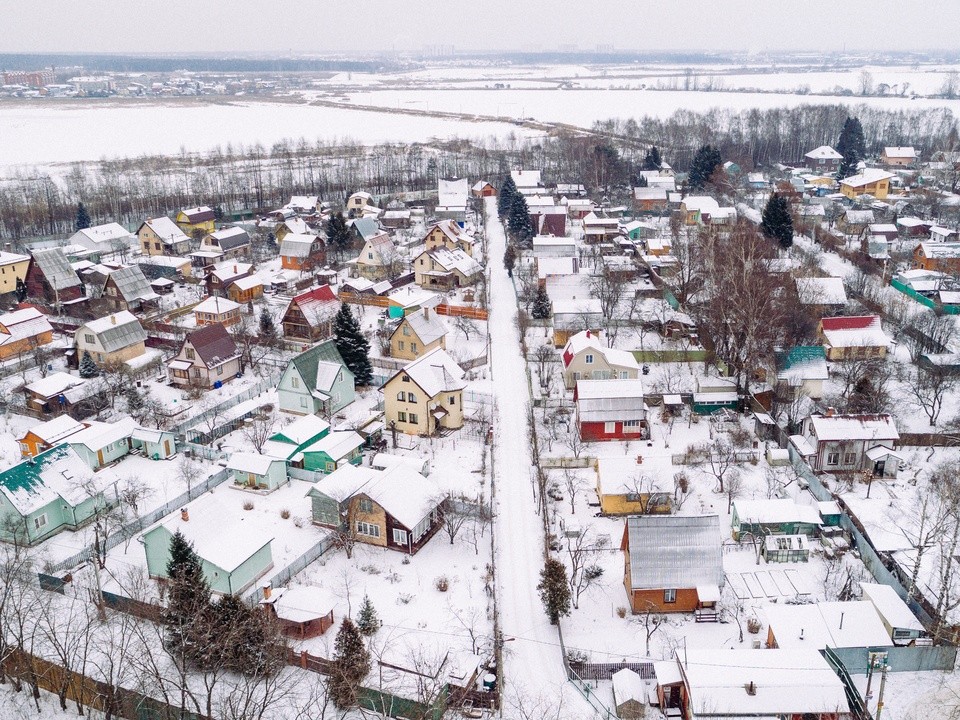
point(367, 621)
point(351, 664)
point(652, 160)
point(554, 590)
point(188, 603)
point(88, 368)
point(704, 164)
point(83, 217)
point(218, 213)
point(518, 223)
point(508, 190)
point(353, 346)
point(847, 167)
point(777, 222)
point(338, 234)
point(851, 143)
point(188, 584)
point(135, 399)
point(268, 330)
point(642, 181)
point(541, 309)
point(509, 259)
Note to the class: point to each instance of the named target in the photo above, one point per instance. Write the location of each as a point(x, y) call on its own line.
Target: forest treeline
point(258, 178)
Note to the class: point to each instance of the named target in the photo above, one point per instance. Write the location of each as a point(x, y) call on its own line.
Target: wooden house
point(245, 290)
point(824, 160)
point(629, 694)
point(396, 508)
point(773, 517)
point(360, 204)
point(417, 334)
point(333, 450)
point(853, 443)
point(623, 487)
point(443, 269)
point(942, 257)
point(51, 278)
point(257, 472)
point(672, 563)
point(101, 444)
point(217, 310)
point(162, 236)
point(116, 338)
point(197, 220)
point(309, 316)
point(126, 288)
point(482, 189)
point(898, 620)
point(379, 258)
point(316, 381)
point(867, 182)
point(851, 624)
point(586, 357)
point(898, 156)
point(853, 337)
point(48, 434)
point(207, 358)
point(302, 252)
point(230, 243)
point(450, 235)
point(303, 611)
point(219, 277)
point(611, 410)
point(56, 393)
point(426, 395)
point(21, 331)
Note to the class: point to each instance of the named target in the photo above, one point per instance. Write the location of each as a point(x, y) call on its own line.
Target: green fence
point(666, 356)
point(932, 304)
point(383, 703)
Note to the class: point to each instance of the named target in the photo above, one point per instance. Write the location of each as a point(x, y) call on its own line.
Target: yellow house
point(426, 395)
point(112, 339)
point(13, 267)
point(379, 258)
point(626, 487)
point(199, 218)
point(162, 236)
point(418, 334)
point(869, 182)
point(448, 234)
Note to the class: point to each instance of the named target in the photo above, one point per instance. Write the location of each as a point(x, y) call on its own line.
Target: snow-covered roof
point(891, 606)
point(60, 428)
point(671, 551)
point(454, 260)
point(427, 326)
point(100, 434)
point(526, 178)
point(703, 203)
point(23, 324)
point(858, 217)
point(435, 372)
point(167, 230)
point(607, 389)
point(54, 384)
point(804, 362)
point(101, 236)
point(821, 291)
point(824, 152)
point(297, 245)
point(338, 444)
point(115, 331)
point(854, 331)
point(774, 511)
point(199, 214)
point(215, 305)
point(866, 177)
point(452, 192)
point(827, 624)
point(628, 685)
point(854, 427)
point(300, 603)
point(587, 339)
point(902, 152)
point(53, 263)
point(251, 462)
point(784, 682)
point(302, 429)
point(55, 473)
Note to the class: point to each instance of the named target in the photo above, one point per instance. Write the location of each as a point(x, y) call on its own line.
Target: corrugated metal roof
point(116, 331)
point(670, 552)
point(132, 284)
point(56, 268)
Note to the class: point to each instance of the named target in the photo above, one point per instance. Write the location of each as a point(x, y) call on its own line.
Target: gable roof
point(451, 230)
point(804, 362)
point(213, 344)
point(454, 260)
point(116, 331)
point(54, 384)
point(251, 462)
point(824, 152)
point(866, 177)
point(428, 328)
point(165, 229)
point(22, 324)
point(230, 238)
point(55, 473)
point(216, 305)
point(821, 291)
point(670, 551)
point(53, 263)
point(132, 284)
point(585, 339)
point(97, 435)
point(297, 244)
point(53, 431)
point(199, 214)
point(854, 331)
point(366, 227)
point(301, 430)
point(317, 304)
point(337, 444)
point(307, 362)
point(435, 372)
point(854, 427)
point(905, 152)
point(101, 235)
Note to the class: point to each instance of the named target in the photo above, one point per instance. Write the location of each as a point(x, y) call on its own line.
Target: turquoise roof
point(800, 355)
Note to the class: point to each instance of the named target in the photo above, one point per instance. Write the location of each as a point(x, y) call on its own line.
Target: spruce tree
point(188, 603)
point(777, 222)
point(652, 160)
point(367, 621)
point(338, 234)
point(704, 164)
point(351, 664)
point(268, 329)
point(354, 348)
point(508, 190)
point(88, 368)
point(509, 259)
point(519, 223)
point(83, 217)
point(185, 572)
point(218, 213)
point(554, 590)
point(541, 309)
point(851, 143)
point(847, 167)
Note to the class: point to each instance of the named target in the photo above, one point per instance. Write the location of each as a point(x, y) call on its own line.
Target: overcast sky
point(335, 26)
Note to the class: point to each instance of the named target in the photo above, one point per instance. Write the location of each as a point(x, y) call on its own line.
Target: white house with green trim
point(257, 472)
point(316, 382)
point(293, 438)
point(53, 491)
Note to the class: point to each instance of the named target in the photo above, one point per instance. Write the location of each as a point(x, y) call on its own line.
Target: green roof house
point(333, 451)
point(316, 381)
point(292, 439)
point(260, 472)
point(803, 368)
point(231, 561)
point(53, 491)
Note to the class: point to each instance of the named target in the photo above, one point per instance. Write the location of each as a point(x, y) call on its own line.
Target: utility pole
point(883, 682)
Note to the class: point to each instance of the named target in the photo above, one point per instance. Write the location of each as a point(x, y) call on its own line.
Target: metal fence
point(285, 575)
point(308, 475)
point(267, 383)
point(900, 659)
point(135, 526)
point(205, 438)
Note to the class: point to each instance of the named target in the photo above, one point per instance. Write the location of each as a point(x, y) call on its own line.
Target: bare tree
point(465, 325)
point(721, 459)
point(258, 428)
point(652, 621)
point(927, 388)
point(455, 513)
point(188, 471)
point(574, 484)
point(581, 550)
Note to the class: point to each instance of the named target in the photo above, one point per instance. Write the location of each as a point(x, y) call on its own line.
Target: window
point(369, 256)
point(219, 369)
point(40, 521)
point(623, 375)
point(633, 497)
point(405, 378)
point(399, 536)
point(401, 417)
point(400, 344)
point(88, 338)
point(609, 428)
point(191, 355)
point(368, 529)
point(411, 397)
point(156, 245)
point(406, 330)
point(413, 347)
point(401, 395)
point(833, 458)
point(849, 458)
point(303, 402)
point(453, 400)
point(413, 419)
point(669, 596)
point(366, 505)
point(631, 423)
point(588, 359)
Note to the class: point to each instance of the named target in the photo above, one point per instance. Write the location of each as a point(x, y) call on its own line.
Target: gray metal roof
point(132, 284)
point(670, 552)
point(117, 331)
point(56, 268)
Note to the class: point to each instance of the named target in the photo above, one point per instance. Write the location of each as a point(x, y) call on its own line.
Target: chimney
point(184, 515)
point(831, 411)
point(751, 688)
point(426, 313)
point(236, 269)
point(639, 459)
point(267, 591)
point(113, 319)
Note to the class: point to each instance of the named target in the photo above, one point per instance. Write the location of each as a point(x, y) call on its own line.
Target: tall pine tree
point(519, 223)
point(541, 308)
point(508, 189)
point(851, 141)
point(777, 222)
point(652, 160)
point(509, 259)
point(338, 234)
point(268, 329)
point(83, 217)
point(354, 348)
point(188, 602)
point(554, 590)
point(704, 164)
point(351, 664)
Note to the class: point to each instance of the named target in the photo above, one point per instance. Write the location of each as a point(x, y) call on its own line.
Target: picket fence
point(135, 526)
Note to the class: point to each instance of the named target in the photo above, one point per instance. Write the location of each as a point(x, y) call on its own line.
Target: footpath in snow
point(533, 665)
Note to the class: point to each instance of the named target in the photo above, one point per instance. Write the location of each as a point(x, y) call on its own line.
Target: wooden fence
point(461, 311)
point(357, 299)
point(929, 439)
point(606, 671)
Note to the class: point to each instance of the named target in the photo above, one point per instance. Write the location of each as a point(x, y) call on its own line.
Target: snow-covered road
point(533, 668)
